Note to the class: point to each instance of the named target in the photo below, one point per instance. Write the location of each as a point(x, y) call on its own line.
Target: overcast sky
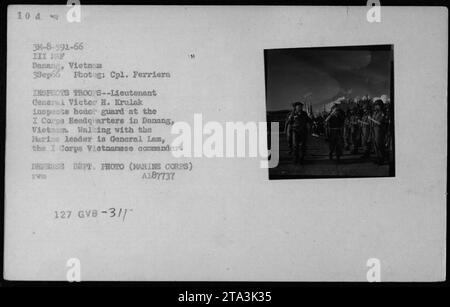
point(326, 74)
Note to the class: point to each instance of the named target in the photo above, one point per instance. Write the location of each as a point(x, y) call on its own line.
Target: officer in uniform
point(300, 124)
point(365, 131)
point(335, 123)
point(378, 124)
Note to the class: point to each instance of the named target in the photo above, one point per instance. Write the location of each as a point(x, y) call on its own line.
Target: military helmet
point(378, 102)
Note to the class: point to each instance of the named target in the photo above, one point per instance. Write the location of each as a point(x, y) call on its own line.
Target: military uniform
point(355, 132)
point(299, 121)
point(378, 125)
point(365, 134)
point(335, 127)
point(347, 132)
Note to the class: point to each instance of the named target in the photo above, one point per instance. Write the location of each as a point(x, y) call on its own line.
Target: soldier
point(300, 123)
point(347, 131)
point(288, 128)
point(378, 124)
point(335, 123)
point(365, 131)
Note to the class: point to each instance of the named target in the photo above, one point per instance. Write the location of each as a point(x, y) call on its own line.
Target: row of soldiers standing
point(366, 127)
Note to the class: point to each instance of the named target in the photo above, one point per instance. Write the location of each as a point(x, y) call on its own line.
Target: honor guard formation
point(357, 126)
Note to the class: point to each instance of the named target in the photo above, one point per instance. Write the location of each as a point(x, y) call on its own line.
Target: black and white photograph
point(223, 153)
point(335, 110)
